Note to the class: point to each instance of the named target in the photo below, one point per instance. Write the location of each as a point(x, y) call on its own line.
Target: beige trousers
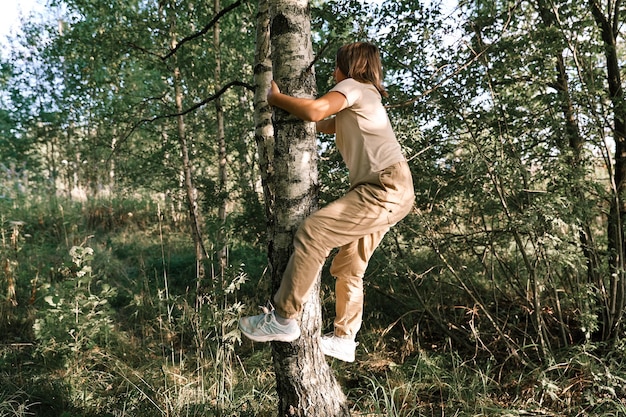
point(355, 223)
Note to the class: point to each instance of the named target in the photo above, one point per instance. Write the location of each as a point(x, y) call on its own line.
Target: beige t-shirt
point(364, 135)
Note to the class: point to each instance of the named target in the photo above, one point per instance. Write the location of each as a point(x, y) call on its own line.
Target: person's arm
point(326, 126)
point(310, 110)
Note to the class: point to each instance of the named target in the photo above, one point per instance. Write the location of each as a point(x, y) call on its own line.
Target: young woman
point(380, 195)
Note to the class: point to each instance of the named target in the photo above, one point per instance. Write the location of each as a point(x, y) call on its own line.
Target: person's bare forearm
point(303, 108)
point(310, 110)
point(326, 126)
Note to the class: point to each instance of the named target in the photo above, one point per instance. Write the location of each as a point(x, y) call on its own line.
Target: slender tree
point(571, 146)
point(191, 192)
point(221, 144)
point(609, 18)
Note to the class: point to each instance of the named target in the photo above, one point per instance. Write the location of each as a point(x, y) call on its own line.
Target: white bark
point(306, 385)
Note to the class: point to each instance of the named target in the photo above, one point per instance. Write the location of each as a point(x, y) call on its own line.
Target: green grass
point(122, 332)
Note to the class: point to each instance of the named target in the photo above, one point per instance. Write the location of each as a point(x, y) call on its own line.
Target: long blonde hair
point(361, 61)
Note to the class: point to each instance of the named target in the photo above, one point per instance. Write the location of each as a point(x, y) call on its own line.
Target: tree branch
point(319, 55)
point(476, 57)
point(616, 19)
point(187, 111)
point(204, 30)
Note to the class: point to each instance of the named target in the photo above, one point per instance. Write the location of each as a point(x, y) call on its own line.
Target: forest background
point(133, 224)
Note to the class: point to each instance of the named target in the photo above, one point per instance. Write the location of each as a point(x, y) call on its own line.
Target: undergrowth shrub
point(105, 216)
point(75, 315)
point(112, 319)
point(108, 319)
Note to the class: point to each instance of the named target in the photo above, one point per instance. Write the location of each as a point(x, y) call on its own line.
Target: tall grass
point(101, 315)
point(13, 403)
point(100, 297)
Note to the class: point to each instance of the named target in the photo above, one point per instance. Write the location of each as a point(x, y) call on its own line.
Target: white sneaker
point(265, 328)
point(338, 347)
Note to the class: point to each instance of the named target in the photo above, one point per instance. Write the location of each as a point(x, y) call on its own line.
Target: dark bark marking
point(281, 25)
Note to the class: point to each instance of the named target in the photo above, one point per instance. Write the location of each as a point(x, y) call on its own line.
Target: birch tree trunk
point(264, 131)
point(305, 384)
